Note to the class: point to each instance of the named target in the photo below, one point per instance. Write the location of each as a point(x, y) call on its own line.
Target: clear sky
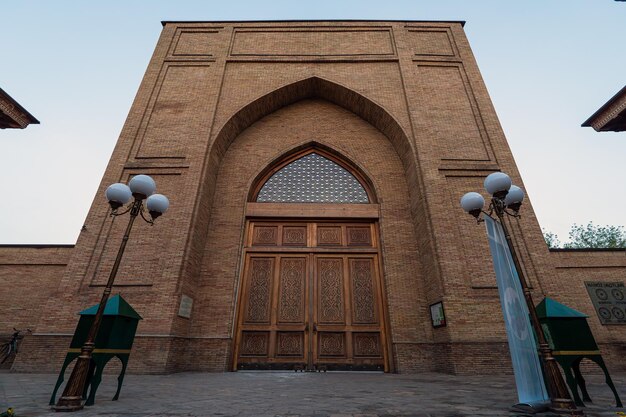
point(76, 66)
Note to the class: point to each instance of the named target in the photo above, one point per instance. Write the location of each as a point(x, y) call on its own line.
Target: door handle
point(314, 327)
point(306, 327)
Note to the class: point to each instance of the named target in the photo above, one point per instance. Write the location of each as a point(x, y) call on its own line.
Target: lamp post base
point(69, 404)
point(72, 398)
point(531, 408)
point(567, 412)
point(565, 407)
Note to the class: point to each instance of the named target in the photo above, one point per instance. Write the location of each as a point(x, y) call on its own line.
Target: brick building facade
point(401, 108)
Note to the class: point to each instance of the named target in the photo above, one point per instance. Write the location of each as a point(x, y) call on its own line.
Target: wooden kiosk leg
point(581, 381)
point(120, 379)
point(608, 380)
point(68, 359)
point(100, 363)
point(92, 368)
point(571, 382)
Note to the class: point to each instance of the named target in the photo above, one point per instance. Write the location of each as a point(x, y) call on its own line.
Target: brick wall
point(29, 277)
point(404, 101)
point(572, 268)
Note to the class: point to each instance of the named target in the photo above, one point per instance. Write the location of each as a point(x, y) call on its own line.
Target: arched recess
point(309, 88)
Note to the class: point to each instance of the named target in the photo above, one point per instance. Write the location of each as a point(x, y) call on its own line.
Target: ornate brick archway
point(314, 87)
point(329, 98)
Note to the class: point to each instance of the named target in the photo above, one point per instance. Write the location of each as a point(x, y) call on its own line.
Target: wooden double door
point(311, 298)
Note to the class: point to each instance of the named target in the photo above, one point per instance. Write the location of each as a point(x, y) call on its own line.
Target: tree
point(552, 240)
point(589, 236)
point(592, 236)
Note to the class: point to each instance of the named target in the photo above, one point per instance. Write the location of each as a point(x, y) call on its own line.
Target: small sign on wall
point(437, 315)
point(609, 300)
point(186, 303)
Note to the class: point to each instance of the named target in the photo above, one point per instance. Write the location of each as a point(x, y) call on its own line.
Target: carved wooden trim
point(313, 210)
point(254, 343)
point(331, 308)
point(265, 235)
point(294, 235)
point(17, 116)
point(359, 235)
point(260, 290)
point(363, 291)
point(331, 344)
point(329, 235)
point(292, 281)
point(367, 345)
point(290, 344)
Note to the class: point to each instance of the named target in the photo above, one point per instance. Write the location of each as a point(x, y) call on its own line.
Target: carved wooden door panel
point(275, 312)
point(311, 297)
point(347, 322)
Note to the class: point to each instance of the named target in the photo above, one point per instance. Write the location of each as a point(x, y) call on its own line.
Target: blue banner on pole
point(531, 387)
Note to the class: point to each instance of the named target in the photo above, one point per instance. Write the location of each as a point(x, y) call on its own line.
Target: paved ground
point(294, 394)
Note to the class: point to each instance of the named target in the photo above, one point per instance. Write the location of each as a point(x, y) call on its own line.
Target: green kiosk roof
point(116, 306)
point(549, 308)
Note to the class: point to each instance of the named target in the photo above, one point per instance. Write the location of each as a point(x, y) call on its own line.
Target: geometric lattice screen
point(312, 179)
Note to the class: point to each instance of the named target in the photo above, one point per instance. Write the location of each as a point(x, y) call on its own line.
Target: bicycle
point(9, 348)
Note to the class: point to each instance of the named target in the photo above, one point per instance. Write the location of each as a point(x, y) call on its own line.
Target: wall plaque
point(184, 310)
point(609, 300)
point(437, 315)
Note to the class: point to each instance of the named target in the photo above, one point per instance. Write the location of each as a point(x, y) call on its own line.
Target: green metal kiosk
point(115, 339)
point(571, 340)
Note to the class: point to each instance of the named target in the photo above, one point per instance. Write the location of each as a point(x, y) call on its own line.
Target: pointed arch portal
point(311, 294)
point(313, 87)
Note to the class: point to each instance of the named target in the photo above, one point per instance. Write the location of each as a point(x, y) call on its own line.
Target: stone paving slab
point(295, 395)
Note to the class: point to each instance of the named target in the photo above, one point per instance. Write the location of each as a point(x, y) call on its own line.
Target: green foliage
point(592, 236)
point(589, 236)
point(552, 240)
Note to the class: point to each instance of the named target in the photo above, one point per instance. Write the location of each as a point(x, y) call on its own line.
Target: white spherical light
point(472, 201)
point(515, 195)
point(118, 193)
point(142, 185)
point(157, 203)
point(497, 182)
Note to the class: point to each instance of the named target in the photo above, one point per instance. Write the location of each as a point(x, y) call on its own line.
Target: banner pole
point(561, 401)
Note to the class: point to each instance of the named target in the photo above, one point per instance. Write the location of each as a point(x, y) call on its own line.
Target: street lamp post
point(140, 187)
point(506, 200)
